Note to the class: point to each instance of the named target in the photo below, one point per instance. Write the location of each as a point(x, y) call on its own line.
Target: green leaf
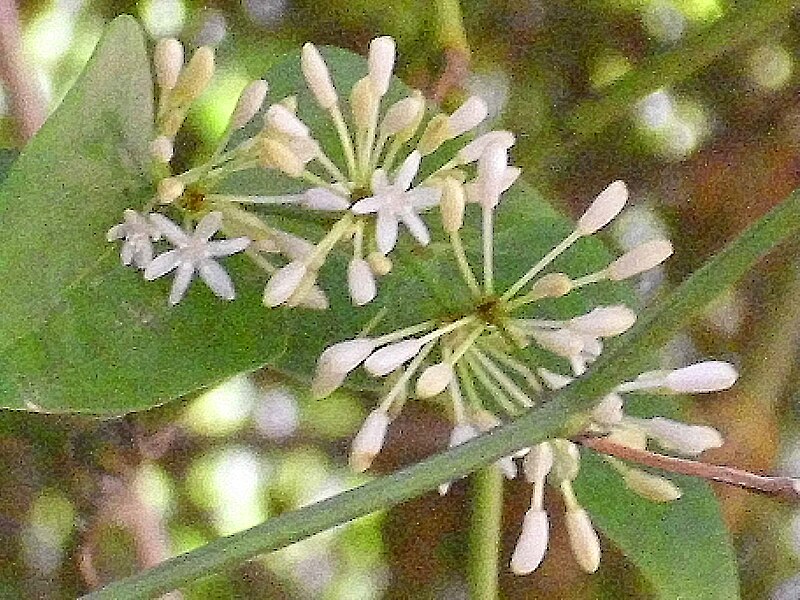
point(7, 158)
point(682, 547)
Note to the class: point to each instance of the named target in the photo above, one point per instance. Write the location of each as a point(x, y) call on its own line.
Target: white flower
point(397, 201)
point(139, 235)
point(195, 253)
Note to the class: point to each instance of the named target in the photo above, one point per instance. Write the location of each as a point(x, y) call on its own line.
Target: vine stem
point(786, 488)
point(485, 533)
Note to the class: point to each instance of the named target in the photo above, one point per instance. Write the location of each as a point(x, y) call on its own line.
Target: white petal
point(416, 226)
point(407, 171)
point(161, 265)
point(386, 231)
point(604, 209)
point(381, 63)
point(283, 283)
point(336, 362)
point(117, 232)
point(368, 205)
point(639, 259)
point(462, 433)
point(423, 198)
point(217, 279)
point(183, 277)
point(169, 229)
point(709, 376)
point(361, 282)
point(583, 539)
point(388, 358)
point(532, 543)
point(227, 247)
point(473, 151)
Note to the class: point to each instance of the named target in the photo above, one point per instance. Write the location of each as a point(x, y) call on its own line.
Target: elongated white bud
point(473, 151)
point(324, 199)
point(709, 376)
point(560, 341)
point(538, 462)
point(451, 205)
point(555, 381)
point(318, 77)
point(381, 63)
point(403, 116)
point(609, 411)
point(468, 116)
point(434, 380)
point(369, 440)
point(583, 539)
point(532, 543)
point(283, 283)
point(462, 433)
point(361, 282)
point(285, 121)
point(364, 103)
point(492, 167)
point(639, 259)
point(388, 358)
point(484, 420)
point(604, 209)
point(314, 299)
point(604, 321)
point(651, 487)
point(336, 362)
point(167, 62)
point(161, 149)
point(273, 154)
point(683, 438)
point(195, 77)
point(552, 285)
point(250, 101)
point(169, 189)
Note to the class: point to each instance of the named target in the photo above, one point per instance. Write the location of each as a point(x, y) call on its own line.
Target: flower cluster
point(366, 198)
point(472, 359)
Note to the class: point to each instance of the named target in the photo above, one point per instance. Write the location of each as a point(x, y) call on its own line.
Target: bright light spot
point(656, 110)
point(154, 487)
point(266, 12)
point(213, 110)
point(224, 409)
point(52, 518)
point(163, 18)
point(492, 87)
point(664, 21)
point(277, 414)
point(48, 37)
point(701, 11)
point(771, 66)
point(608, 68)
point(213, 29)
point(300, 475)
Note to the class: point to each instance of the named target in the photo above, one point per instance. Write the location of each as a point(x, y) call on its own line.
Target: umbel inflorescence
point(475, 360)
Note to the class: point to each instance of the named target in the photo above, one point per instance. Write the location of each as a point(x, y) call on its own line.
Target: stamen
point(504, 380)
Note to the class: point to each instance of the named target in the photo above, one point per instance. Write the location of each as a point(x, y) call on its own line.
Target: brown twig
point(27, 104)
point(786, 488)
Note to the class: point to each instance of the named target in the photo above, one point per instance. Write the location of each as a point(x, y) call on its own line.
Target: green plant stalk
point(562, 415)
point(740, 27)
point(452, 34)
point(485, 533)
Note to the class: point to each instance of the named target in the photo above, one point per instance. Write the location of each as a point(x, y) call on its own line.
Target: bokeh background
point(694, 106)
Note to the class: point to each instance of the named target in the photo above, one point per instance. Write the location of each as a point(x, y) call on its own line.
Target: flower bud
point(583, 539)
point(361, 282)
point(250, 101)
point(451, 206)
point(381, 63)
point(369, 440)
point(390, 357)
point(285, 121)
point(651, 487)
point(274, 154)
point(552, 285)
point(538, 462)
point(639, 259)
point(559, 341)
point(195, 77)
point(404, 116)
point(161, 149)
point(709, 376)
point(683, 438)
point(532, 543)
point(604, 209)
point(609, 411)
point(435, 134)
point(324, 199)
point(167, 62)
point(336, 362)
point(475, 149)
point(381, 265)
point(566, 460)
point(364, 103)
point(434, 380)
point(318, 77)
point(284, 283)
point(169, 189)
point(468, 116)
point(492, 167)
point(604, 321)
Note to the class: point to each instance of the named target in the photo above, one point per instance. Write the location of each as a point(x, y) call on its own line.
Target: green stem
point(562, 415)
point(452, 34)
point(485, 532)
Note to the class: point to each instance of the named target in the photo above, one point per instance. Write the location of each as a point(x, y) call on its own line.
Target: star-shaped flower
point(397, 201)
point(139, 235)
point(195, 252)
